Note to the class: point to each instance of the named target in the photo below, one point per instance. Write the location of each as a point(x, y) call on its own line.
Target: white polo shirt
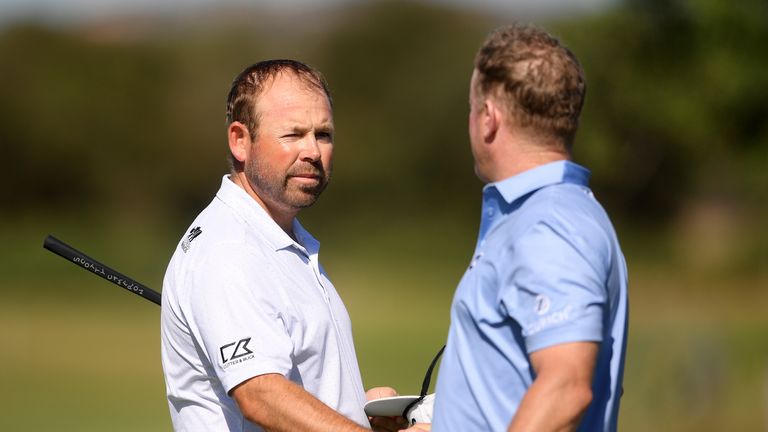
point(242, 299)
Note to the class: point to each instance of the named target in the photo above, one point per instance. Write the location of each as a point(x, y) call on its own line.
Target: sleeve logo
point(542, 304)
point(193, 233)
point(235, 352)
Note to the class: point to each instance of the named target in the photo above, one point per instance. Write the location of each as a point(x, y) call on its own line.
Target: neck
point(283, 217)
point(522, 154)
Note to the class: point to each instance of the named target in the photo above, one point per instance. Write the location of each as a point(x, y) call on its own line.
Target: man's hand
point(562, 390)
point(384, 424)
point(379, 392)
point(419, 427)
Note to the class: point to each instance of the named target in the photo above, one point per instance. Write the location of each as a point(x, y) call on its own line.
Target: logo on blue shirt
point(475, 260)
point(542, 304)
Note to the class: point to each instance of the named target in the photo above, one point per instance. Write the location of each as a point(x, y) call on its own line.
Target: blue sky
point(74, 11)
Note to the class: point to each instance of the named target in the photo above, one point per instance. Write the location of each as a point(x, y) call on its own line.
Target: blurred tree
point(401, 74)
point(676, 91)
point(76, 119)
point(94, 118)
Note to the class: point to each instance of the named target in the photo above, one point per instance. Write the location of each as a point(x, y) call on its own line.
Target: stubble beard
point(278, 187)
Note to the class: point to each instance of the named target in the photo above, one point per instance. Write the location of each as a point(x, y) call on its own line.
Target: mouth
point(307, 176)
point(308, 179)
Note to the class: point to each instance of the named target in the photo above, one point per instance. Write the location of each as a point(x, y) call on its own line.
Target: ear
point(239, 140)
point(491, 120)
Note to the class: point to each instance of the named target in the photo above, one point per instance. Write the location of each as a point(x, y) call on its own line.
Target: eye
point(324, 136)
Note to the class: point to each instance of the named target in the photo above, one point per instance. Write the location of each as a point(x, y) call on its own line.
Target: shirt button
point(489, 211)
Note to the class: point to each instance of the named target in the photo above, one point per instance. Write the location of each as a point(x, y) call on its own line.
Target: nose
point(310, 151)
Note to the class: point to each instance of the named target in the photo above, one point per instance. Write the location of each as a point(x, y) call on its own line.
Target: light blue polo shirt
point(547, 270)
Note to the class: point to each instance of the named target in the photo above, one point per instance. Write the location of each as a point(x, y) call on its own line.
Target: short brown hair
point(539, 80)
point(248, 85)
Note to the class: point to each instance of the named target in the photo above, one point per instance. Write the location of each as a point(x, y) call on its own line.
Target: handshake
point(415, 409)
point(382, 402)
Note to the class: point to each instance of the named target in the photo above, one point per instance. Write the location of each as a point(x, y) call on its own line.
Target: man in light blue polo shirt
point(539, 320)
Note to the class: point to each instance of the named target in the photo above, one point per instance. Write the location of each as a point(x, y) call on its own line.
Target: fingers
point(380, 392)
point(419, 427)
point(388, 424)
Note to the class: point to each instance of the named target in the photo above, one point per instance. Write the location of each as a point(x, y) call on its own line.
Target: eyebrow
point(323, 127)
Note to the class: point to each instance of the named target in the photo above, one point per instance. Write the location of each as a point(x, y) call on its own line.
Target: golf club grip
point(82, 260)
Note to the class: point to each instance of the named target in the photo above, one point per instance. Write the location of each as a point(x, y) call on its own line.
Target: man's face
point(290, 161)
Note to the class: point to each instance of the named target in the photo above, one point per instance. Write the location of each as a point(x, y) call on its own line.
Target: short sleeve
point(236, 314)
point(554, 287)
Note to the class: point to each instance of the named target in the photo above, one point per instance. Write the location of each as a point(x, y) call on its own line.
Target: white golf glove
point(422, 411)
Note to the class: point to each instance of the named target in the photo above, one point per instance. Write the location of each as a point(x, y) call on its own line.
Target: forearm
point(277, 404)
point(551, 407)
point(562, 390)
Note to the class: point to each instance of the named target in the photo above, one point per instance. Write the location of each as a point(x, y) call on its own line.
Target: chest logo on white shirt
point(235, 352)
point(193, 233)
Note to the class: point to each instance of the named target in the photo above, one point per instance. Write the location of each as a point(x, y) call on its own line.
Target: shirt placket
point(345, 350)
point(491, 211)
point(315, 264)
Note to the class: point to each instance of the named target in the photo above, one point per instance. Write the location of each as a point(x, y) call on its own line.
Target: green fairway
point(79, 354)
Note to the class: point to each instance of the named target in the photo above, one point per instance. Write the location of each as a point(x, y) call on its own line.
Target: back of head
point(539, 82)
point(249, 84)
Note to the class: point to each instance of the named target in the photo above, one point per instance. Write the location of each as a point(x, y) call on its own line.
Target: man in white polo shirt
point(254, 335)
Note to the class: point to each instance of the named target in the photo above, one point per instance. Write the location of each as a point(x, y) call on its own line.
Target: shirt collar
point(305, 239)
point(529, 181)
point(257, 218)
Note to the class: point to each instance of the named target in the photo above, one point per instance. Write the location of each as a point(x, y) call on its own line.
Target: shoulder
point(218, 246)
point(561, 219)
point(220, 233)
point(567, 209)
